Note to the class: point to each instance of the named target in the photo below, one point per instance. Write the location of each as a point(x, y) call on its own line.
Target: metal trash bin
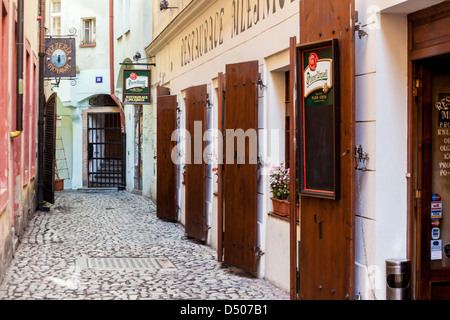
point(398, 279)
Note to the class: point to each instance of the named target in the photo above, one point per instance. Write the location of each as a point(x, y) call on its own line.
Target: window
point(55, 17)
point(88, 32)
point(118, 18)
point(126, 17)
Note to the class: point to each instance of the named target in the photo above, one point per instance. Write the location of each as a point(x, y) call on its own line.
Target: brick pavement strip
point(82, 225)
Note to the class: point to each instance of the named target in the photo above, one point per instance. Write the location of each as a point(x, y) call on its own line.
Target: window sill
point(88, 45)
point(286, 219)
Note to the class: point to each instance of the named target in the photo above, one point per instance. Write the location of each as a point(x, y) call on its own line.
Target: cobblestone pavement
point(110, 245)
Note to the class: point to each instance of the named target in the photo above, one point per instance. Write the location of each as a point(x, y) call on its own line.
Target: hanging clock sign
point(60, 58)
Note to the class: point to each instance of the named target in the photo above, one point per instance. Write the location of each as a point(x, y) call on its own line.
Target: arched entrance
point(103, 156)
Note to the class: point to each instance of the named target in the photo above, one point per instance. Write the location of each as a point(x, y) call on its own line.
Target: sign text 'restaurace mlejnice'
point(210, 33)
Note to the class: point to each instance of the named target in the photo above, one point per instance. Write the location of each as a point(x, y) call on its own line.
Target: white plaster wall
point(366, 129)
point(133, 33)
point(130, 148)
point(277, 253)
point(392, 93)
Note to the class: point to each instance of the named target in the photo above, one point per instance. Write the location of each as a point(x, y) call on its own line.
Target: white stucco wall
point(133, 31)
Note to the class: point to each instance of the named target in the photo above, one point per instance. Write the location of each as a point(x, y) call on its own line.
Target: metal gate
point(104, 150)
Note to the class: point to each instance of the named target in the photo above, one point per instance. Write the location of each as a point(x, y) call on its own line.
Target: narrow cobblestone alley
point(110, 245)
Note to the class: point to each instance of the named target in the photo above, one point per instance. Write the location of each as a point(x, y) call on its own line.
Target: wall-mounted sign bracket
point(361, 158)
point(360, 28)
point(138, 64)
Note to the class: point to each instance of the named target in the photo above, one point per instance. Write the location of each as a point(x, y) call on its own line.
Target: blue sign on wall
point(99, 79)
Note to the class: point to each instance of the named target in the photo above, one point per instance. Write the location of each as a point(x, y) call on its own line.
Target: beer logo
point(318, 75)
point(313, 58)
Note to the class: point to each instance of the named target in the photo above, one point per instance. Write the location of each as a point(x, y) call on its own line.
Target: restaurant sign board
point(319, 118)
point(60, 58)
point(136, 87)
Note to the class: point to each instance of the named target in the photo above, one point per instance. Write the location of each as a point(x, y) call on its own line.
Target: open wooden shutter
point(49, 148)
point(166, 172)
point(327, 253)
point(240, 180)
point(196, 168)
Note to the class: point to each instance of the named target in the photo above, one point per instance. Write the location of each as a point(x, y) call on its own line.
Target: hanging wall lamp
point(164, 5)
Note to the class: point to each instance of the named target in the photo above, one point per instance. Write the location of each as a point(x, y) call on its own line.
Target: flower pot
point(59, 185)
point(280, 207)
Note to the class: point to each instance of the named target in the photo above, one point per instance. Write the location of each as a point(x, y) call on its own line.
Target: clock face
point(59, 58)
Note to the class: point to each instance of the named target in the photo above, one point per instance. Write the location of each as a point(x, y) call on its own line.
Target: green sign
point(136, 87)
point(319, 116)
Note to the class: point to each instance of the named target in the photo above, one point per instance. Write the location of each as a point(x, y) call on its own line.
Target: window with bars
point(88, 32)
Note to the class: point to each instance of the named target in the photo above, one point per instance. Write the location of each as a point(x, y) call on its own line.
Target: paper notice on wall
point(436, 255)
point(436, 250)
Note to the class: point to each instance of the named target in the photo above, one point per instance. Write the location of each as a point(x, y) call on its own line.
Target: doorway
point(429, 144)
point(104, 150)
point(432, 164)
point(139, 144)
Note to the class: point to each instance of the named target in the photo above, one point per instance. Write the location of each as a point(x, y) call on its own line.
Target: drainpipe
point(40, 195)
point(20, 67)
point(112, 88)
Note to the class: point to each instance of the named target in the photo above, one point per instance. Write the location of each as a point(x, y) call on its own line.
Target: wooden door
point(433, 168)
point(195, 165)
point(49, 148)
point(327, 256)
point(429, 76)
point(166, 168)
point(240, 114)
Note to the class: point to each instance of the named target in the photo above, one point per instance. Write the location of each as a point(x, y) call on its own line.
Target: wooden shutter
point(327, 254)
point(49, 148)
point(196, 168)
point(240, 180)
point(166, 172)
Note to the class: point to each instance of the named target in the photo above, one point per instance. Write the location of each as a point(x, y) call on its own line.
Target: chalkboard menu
point(318, 90)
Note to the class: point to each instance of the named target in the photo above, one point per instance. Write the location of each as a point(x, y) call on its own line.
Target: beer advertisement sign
point(136, 87)
point(318, 79)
